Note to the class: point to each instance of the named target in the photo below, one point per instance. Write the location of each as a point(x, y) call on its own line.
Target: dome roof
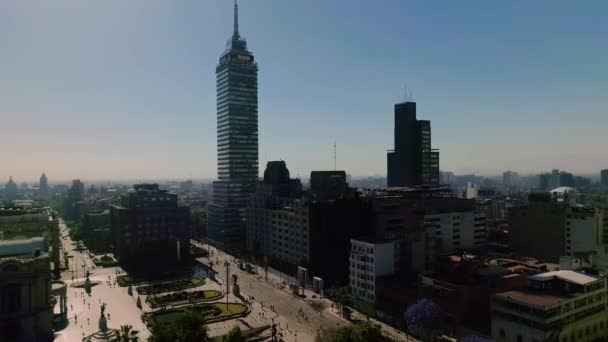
point(563, 190)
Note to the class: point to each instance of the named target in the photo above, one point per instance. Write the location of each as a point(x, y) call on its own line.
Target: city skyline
point(108, 101)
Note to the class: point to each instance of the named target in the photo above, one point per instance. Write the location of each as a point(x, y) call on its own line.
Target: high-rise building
point(44, 186)
point(412, 162)
point(604, 178)
point(10, 190)
point(149, 229)
point(510, 178)
point(76, 192)
point(237, 142)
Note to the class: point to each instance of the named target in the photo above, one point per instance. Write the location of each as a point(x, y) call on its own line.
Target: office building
point(564, 305)
point(150, 230)
point(312, 229)
point(237, 142)
point(510, 179)
point(604, 178)
point(412, 162)
point(370, 259)
point(44, 186)
point(76, 192)
point(10, 190)
point(277, 218)
point(555, 221)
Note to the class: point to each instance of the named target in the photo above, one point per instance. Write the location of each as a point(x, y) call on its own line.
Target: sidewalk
point(275, 278)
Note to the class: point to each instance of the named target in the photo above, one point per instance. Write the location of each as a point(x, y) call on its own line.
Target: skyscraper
point(412, 162)
point(237, 141)
point(44, 186)
point(10, 190)
point(604, 178)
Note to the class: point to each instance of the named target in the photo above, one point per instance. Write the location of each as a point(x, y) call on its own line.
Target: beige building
point(26, 301)
point(562, 306)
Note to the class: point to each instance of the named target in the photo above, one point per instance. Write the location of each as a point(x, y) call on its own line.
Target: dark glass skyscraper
point(412, 162)
point(237, 141)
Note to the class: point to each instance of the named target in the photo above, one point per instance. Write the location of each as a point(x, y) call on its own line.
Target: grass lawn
point(183, 296)
point(231, 309)
point(212, 312)
point(169, 286)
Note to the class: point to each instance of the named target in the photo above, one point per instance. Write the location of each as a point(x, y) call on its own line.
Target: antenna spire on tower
point(236, 20)
point(335, 156)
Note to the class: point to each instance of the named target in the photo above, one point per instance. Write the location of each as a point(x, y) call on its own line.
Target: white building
point(370, 258)
point(559, 306)
point(456, 231)
point(581, 231)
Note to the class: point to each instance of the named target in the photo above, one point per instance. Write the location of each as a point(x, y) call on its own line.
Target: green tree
point(235, 335)
point(341, 297)
point(127, 334)
point(188, 327)
point(352, 333)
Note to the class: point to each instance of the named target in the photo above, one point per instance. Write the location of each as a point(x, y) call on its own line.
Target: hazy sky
point(102, 89)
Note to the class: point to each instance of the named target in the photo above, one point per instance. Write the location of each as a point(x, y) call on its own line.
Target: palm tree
point(127, 334)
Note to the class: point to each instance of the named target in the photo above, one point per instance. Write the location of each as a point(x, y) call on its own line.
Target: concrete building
point(563, 305)
point(604, 178)
point(10, 190)
point(510, 179)
point(237, 143)
point(427, 224)
point(457, 231)
point(371, 258)
point(554, 220)
point(412, 162)
point(150, 231)
point(26, 303)
point(43, 188)
point(312, 229)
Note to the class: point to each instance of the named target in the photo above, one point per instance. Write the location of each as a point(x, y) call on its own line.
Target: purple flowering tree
point(424, 319)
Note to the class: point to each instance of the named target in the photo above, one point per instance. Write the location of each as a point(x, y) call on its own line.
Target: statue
point(103, 323)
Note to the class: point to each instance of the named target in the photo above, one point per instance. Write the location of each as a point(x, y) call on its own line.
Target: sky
point(108, 89)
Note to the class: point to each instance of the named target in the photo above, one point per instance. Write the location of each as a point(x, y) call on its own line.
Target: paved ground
point(287, 306)
point(84, 310)
point(297, 319)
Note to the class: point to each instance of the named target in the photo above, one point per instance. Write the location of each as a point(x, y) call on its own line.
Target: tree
point(424, 319)
point(340, 296)
point(352, 333)
point(127, 334)
point(235, 335)
point(188, 327)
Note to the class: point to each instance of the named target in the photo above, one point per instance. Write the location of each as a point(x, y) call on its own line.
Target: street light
point(227, 264)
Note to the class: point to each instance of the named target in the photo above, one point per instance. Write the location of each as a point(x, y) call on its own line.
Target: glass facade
point(413, 162)
point(237, 142)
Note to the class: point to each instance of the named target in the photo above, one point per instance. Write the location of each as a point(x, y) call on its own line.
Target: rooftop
point(532, 298)
point(565, 275)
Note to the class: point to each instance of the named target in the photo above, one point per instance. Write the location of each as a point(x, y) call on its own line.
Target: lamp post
point(227, 264)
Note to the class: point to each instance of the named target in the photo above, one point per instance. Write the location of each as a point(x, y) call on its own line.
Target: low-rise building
point(564, 305)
